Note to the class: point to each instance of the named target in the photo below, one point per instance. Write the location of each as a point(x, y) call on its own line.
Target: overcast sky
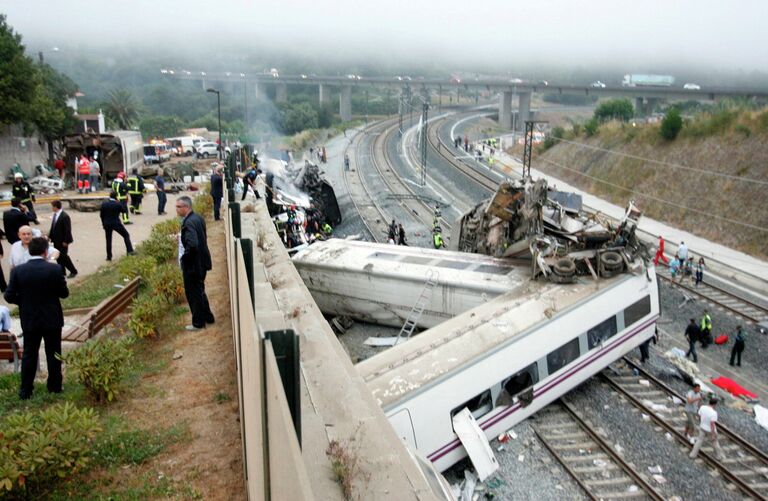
point(717, 34)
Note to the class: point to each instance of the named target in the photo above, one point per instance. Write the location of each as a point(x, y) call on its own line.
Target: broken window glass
point(602, 331)
point(563, 356)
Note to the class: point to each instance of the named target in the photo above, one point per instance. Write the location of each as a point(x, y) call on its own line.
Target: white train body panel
point(380, 283)
point(468, 361)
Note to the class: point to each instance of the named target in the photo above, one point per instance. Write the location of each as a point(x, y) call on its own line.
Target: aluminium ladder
point(418, 308)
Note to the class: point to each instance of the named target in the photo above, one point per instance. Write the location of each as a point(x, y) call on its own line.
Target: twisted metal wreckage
point(525, 218)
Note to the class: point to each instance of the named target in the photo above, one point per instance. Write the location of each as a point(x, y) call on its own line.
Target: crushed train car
point(526, 218)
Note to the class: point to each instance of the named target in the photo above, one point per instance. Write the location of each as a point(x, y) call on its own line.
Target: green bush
point(167, 283)
point(203, 205)
point(615, 109)
point(161, 248)
point(38, 448)
point(100, 366)
point(146, 311)
point(590, 128)
point(136, 266)
point(671, 124)
point(553, 137)
point(167, 227)
point(743, 129)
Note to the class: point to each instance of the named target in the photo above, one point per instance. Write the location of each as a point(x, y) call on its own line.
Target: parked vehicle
point(640, 80)
point(186, 143)
point(598, 84)
point(205, 150)
point(692, 86)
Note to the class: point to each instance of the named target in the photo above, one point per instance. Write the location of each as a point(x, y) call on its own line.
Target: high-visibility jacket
point(84, 167)
point(135, 185)
point(23, 191)
point(119, 187)
point(327, 229)
point(706, 322)
point(438, 240)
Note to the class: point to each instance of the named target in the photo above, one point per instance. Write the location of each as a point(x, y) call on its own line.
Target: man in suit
point(61, 237)
point(37, 287)
point(111, 212)
point(195, 260)
point(14, 218)
point(217, 191)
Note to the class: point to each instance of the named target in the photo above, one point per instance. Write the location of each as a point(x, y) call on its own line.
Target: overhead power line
point(651, 197)
point(666, 164)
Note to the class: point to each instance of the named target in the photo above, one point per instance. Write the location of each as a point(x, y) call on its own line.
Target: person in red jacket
point(660, 253)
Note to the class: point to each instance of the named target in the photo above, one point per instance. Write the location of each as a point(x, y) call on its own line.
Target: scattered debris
point(761, 416)
point(655, 470)
point(177, 355)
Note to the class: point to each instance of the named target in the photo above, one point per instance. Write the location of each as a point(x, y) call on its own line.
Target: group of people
point(682, 265)
point(701, 332)
point(396, 234)
point(88, 173)
point(702, 417)
point(37, 281)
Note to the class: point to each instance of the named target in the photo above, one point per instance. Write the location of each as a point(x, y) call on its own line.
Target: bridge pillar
point(281, 93)
point(324, 93)
point(345, 103)
point(260, 90)
point(639, 107)
point(524, 109)
point(505, 110)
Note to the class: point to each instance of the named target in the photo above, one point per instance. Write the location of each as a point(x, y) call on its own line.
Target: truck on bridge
point(641, 80)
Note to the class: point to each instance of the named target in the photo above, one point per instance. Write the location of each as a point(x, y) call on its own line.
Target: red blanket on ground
point(732, 387)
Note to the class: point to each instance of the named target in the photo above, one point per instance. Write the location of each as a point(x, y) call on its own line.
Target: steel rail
point(710, 459)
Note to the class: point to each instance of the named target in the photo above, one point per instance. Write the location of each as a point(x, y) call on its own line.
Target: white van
point(188, 143)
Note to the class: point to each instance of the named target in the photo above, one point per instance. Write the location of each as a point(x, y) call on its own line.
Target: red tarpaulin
point(733, 387)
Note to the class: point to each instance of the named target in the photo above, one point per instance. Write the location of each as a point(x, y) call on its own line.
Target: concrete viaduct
point(645, 97)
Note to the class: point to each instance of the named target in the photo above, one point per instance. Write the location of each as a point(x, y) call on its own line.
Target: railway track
point(751, 312)
point(745, 466)
point(598, 469)
point(359, 193)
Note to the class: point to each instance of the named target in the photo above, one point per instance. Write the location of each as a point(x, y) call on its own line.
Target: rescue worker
point(136, 191)
point(327, 230)
point(83, 174)
point(706, 329)
point(120, 188)
point(437, 238)
point(24, 192)
point(249, 182)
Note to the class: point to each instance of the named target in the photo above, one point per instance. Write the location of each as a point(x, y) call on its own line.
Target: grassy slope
point(736, 145)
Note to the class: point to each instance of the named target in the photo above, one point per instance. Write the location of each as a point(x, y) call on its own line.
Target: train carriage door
point(403, 425)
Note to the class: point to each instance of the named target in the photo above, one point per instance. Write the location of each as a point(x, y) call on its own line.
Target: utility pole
point(400, 104)
point(529, 125)
point(424, 131)
point(366, 107)
point(245, 99)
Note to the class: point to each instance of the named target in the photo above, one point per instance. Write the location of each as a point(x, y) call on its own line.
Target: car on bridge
point(516, 80)
point(598, 84)
point(692, 86)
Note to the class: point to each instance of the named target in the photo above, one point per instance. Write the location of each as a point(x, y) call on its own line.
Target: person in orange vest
point(660, 253)
point(83, 171)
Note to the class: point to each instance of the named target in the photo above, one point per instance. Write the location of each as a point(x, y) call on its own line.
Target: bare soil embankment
point(711, 206)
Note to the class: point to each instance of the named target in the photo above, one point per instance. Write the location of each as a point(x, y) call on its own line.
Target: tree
point(294, 118)
point(162, 126)
point(615, 109)
point(48, 110)
point(121, 109)
point(18, 78)
point(671, 124)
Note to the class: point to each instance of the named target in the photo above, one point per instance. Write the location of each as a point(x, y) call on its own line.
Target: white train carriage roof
point(426, 357)
point(412, 263)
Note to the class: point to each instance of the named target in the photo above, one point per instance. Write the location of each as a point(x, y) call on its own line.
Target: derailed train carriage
point(586, 296)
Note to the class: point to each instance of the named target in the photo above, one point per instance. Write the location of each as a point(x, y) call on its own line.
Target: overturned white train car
point(380, 283)
point(508, 358)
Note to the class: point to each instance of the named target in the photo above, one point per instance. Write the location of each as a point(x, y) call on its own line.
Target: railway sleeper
point(557, 426)
point(576, 446)
point(566, 436)
point(595, 469)
point(601, 482)
point(586, 457)
point(624, 495)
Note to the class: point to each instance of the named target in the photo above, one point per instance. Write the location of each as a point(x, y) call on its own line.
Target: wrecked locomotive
point(528, 219)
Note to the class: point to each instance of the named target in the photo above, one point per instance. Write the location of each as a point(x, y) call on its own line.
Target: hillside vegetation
point(725, 140)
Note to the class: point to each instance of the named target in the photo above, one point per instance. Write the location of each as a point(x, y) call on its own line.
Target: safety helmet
point(121, 175)
point(18, 175)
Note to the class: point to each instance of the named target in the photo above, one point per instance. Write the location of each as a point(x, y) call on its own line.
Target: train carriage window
point(602, 331)
point(563, 356)
point(637, 311)
point(517, 384)
point(478, 406)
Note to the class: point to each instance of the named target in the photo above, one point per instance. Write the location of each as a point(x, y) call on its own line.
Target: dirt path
point(200, 389)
